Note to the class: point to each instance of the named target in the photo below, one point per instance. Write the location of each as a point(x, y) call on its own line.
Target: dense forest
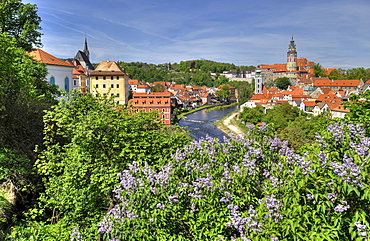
point(86, 168)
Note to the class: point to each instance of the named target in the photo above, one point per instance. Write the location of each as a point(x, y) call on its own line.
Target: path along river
point(200, 123)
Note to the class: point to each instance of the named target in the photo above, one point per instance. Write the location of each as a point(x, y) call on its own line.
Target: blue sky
point(334, 33)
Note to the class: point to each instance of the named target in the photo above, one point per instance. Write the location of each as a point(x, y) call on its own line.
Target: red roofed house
point(154, 101)
point(349, 85)
point(59, 71)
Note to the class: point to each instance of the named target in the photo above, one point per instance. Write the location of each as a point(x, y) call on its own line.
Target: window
point(66, 84)
point(112, 94)
point(96, 86)
point(117, 95)
point(74, 82)
point(52, 80)
point(104, 78)
point(118, 77)
point(96, 78)
point(104, 86)
point(111, 77)
point(112, 85)
point(117, 85)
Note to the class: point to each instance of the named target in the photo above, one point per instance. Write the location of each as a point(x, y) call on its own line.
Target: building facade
point(108, 78)
point(59, 71)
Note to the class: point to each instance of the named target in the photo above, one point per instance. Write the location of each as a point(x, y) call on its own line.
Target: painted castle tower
point(291, 64)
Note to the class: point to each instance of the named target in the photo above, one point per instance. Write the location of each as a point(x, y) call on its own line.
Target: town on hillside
point(313, 95)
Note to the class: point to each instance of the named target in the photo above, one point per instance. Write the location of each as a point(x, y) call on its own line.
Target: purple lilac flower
point(348, 171)
point(240, 224)
point(362, 148)
point(173, 198)
point(310, 196)
point(273, 205)
point(151, 220)
point(360, 227)
point(332, 197)
point(273, 238)
point(226, 198)
point(323, 159)
point(76, 235)
point(342, 207)
point(193, 207)
point(106, 226)
point(160, 206)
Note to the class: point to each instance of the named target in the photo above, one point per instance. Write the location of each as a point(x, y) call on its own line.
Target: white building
point(59, 71)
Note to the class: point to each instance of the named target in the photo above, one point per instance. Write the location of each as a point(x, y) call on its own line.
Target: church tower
point(258, 82)
point(86, 49)
point(292, 56)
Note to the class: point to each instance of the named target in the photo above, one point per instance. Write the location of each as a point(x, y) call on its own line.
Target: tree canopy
point(20, 21)
point(282, 83)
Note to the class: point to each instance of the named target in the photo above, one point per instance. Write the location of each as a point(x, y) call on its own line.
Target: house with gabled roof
point(109, 78)
point(59, 71)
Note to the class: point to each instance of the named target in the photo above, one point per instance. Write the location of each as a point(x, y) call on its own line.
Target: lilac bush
point(248, 188)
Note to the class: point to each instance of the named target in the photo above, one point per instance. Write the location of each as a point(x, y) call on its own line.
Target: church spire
point(86, 49)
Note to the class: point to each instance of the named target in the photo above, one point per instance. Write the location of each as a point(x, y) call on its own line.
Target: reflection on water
point(200, 123)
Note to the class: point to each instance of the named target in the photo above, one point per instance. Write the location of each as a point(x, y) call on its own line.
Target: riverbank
point(230, 125)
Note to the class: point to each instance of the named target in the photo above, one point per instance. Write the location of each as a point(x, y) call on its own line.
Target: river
point(200, 123)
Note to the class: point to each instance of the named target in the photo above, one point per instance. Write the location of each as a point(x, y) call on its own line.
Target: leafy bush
point(251, 188)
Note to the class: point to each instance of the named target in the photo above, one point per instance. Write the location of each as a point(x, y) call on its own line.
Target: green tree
point(319, 71)
point(88, 141)
point(20, 21)
point(224, 93)
point(282, 83)
point(24, 94)
point(359, 107)
point(252, 115)
point(335, 75)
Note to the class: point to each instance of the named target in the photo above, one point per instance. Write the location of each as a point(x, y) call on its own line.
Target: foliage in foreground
point(251, 188)
point(88, 140)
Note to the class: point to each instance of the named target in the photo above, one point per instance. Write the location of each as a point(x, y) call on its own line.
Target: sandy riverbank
point(226, 125)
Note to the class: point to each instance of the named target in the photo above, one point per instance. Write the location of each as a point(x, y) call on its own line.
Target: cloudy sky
point(334, 33)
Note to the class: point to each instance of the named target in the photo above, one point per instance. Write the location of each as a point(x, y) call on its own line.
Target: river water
point(200, 123)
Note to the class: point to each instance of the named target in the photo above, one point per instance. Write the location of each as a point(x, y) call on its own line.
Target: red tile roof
point(309, 103)
point(43, 57)
point(346, 83)
point(133, 81)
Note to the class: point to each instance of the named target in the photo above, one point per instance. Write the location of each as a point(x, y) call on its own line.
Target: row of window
point(66, 83)
point(104, 78)
point(150, 103)
point(105, 86)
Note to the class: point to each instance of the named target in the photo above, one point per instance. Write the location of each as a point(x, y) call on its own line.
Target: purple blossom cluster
point(361, 228)
point(342, 207)
point(242, 224)
point(272, 205)
point(76, 235)
point(332, 197)
point(348, 171)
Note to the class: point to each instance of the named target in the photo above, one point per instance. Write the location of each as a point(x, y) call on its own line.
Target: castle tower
point(258, 82)
point(291, 64)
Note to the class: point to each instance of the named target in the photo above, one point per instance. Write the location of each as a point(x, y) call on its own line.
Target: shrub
point(250, 188)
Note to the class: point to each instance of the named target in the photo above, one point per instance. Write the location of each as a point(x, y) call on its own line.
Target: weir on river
point(200, 123)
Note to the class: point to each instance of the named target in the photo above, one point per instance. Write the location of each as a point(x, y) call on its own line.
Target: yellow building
point(108, 78)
